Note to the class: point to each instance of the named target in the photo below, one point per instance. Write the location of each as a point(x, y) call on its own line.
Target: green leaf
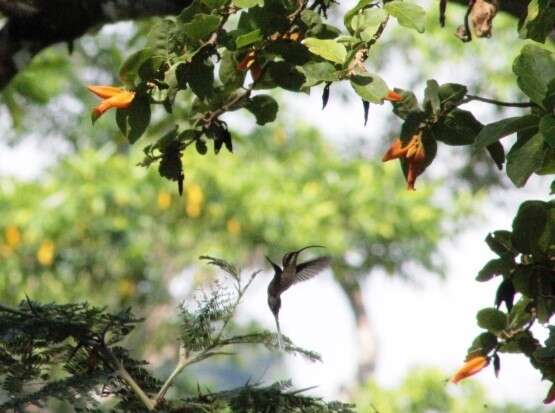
point(500, 243)
point(524, 158)
point(451, 94)
point(483, 344)
point(547, 129)
point(316, 72)
point(134, 120)
point(520, 314)
point(128, 72)
point(535, 69)
point(539, 21)
point(459, 127)
point(247, 4)
point(408, 103)
point(494, 131)
point(310, 18)
point(201, 147)
point(492, 320)
point(201, 26)
point(215, 4)
point(497, 266)
point(286, 75)
point(199, 75)
point(328, 49)
point(370, 87)
point(263, 107)
point(431, 97)
point(497, 153)
point(407, 14)
point(228, 73)
point(530, 226)
point(248, 38)
point(365, 24)
point(361, 5)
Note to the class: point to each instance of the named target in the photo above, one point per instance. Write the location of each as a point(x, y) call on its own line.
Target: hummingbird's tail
point(309, 246)
point(280, 339)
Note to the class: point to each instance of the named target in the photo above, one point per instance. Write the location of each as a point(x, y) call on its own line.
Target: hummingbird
point(290, 274)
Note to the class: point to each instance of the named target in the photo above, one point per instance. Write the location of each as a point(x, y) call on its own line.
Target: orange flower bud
point(393, 96)
point(113, 97)
point(470, 368)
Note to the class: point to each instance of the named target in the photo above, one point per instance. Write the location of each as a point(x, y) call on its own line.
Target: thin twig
point(183, 362)
point(124, 374)
point(500, 103)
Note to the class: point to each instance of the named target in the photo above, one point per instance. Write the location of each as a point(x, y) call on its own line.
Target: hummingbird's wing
point(307, 270)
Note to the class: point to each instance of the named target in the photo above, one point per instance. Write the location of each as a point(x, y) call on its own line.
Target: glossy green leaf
point(128, 72)
point(492, 320)
point(432, 101)
point(407, 14)
point(134, 120)
point(525, 157)
point(493, 268)
point(248, 38)
point(539, 21)
point(459, 127)
point(500, 243)
point(370, 87)
point(201, 26)
point(328, 49)
point(246, 4)
point(547, 129)
point(263, 107)
point(492, 132)
point(535, 69)
point(530, 226)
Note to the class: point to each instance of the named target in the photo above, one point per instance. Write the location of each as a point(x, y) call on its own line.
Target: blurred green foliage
point(426, 390)
point(95, 219)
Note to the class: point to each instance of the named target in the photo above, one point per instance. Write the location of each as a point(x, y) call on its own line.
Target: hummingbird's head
point(274, 302)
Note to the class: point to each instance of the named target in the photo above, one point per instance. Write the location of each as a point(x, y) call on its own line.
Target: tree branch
point(33, 25)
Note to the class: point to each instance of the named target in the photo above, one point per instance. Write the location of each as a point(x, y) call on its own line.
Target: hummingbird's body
point(290, 274)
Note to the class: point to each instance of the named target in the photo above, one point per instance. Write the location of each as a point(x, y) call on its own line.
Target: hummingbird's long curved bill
point(280, 339)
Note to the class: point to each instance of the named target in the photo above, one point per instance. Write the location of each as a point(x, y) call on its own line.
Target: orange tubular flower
point(113, 97)
point(249, 63)
point(393, 96)
point(414, 154)
point(470, 368)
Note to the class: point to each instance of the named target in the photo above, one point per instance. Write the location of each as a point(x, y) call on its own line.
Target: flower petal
point(393, 96)
point(104, 92)
point(395, 151)
point(120, 101)
point(471, 367)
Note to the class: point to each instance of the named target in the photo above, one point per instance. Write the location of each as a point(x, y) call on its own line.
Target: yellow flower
point(233, 226)
point(113, 97)
point(12, 236)
point(194, 200)
point(126, 288)
point(164, 200)
point(45, 253)
point(471, 367)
